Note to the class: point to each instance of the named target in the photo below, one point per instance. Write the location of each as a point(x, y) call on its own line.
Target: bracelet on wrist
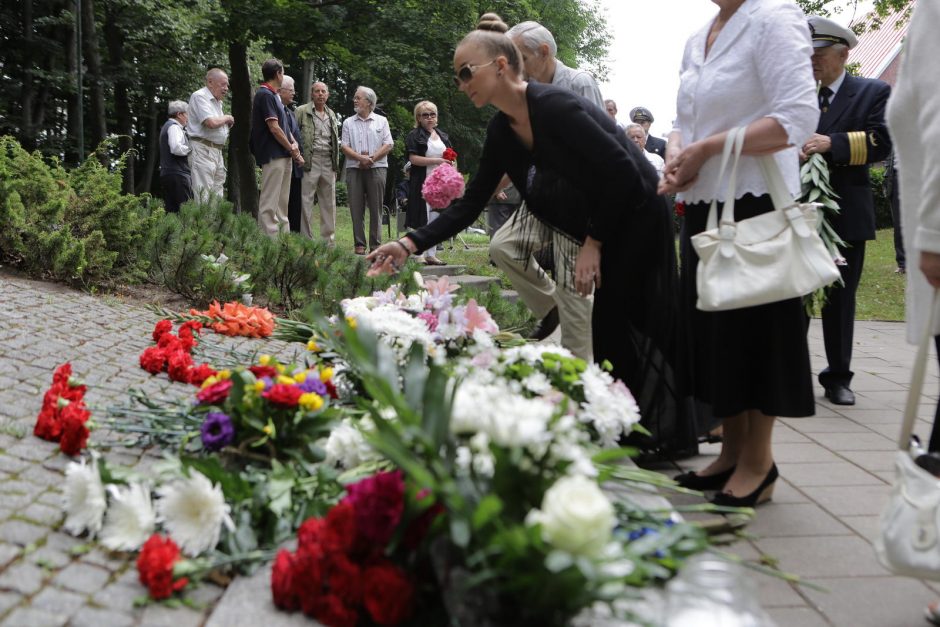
point(403, 245)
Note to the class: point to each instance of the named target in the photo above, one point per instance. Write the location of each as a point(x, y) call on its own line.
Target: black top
point(656, 145)
point(416, 143)
point(297, 171)
point(582, 176)
point(267, 105)
point(170, 163)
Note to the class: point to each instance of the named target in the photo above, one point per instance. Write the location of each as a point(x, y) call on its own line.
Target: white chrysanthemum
point(396, 325)
point(130, 519)
point(193, 512)
point(84, 498)
point(347, 447)
point(537, 383)
point(532, 352)
point(495, 408)
point(609, 406)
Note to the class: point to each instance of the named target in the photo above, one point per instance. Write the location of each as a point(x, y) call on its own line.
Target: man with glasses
point(319, 131)
point(286, 94)
point(273, 148)
point(208, 128)
point(366, 142)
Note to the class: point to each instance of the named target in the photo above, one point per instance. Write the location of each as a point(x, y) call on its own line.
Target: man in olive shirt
point(319, 133)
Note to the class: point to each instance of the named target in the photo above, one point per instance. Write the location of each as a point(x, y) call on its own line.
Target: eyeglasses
point(465, 74)
point(427, 115)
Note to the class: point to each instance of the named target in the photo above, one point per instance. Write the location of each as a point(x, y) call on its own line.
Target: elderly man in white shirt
point(366, 142)
point(175, 178)
point(637, 134)
point(554, 307)
point(208, 129)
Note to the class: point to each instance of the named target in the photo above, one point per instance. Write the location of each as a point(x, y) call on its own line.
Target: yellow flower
point(312, 346)
point(268, 429)
point(210, 381)
point(310, 401)
point(224, 374)
point(281, 368)
point(264, 360)
point(301, 376)
point(351, 322)
point(259, 386)
point(326, 374)
point(285, 379)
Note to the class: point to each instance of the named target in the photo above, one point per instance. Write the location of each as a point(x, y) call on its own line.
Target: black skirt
point(750, 358)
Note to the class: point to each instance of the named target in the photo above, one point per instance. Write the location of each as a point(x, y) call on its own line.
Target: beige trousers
point(275, 194)
point(319, 185)
point(208, 171)
point(539, 292)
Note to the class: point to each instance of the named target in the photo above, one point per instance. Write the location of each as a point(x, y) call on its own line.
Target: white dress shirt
point(202, 105)
point(758, 66)
point(176, 136)
point(366, 136)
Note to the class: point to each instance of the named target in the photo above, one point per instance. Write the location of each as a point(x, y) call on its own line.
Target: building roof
point(877, 49)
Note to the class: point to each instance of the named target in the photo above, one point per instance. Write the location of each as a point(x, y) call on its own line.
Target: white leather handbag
point(908, 541)
point(768, 258)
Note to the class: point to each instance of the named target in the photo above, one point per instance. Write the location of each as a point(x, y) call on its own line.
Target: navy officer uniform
point(851, 135)
point(643, 117)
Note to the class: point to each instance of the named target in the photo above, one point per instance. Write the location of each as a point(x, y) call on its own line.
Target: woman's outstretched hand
point(387, 258)
point(587, 267)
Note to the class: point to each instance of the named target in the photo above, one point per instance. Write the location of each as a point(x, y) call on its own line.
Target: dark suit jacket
point(855, 123)
point(656, 145)
point(297, 171)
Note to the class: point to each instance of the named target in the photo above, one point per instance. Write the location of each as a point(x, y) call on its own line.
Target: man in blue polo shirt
point(273, 148)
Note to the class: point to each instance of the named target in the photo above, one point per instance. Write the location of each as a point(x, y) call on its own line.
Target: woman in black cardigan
point(582, 178)
point(425, 146)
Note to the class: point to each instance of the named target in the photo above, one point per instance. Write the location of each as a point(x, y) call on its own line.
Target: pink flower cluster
point(443, 186)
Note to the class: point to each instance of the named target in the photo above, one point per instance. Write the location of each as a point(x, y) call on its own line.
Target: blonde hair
point(490, 33)
point(424, 105)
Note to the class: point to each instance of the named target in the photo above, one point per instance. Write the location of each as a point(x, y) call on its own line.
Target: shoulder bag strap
point(776, 186)
point(917, 379)
point(727, 210)
point(712, 222)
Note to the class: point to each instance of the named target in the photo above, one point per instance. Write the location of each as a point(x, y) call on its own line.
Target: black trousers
point(838, 318)
point(294, 205)
point(895, 202)
point(934, 446)
point(177, 189)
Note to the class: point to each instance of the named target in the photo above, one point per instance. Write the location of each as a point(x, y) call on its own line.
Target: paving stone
point(818, 424)
point(45, 515)
point(82, 578)
point(105, 559)
point(871, 461)
point(98, 617)
point(9, 600)
point(163, 616)
point(854, 501)
point(8, 553)
point(795, 519)
point(34, 451)
point(787, 435)
point(52, 498)
point(56, 601)
point(22, 577)
point(872, 601)
point(119, 595)
point(248, 602)
point(868, 527)
point(796, 617)
point(827, 474)
point(855, 441)
point(11, 464)
point(29, 617)
point(802, 452)
point(823, 556)
point(21, 532)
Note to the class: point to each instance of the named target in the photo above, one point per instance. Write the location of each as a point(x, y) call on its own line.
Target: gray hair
point(177, 106)
point(369, 95)
point(533, 35)
point(215, 74)
point(626, 129)
point(286, 82)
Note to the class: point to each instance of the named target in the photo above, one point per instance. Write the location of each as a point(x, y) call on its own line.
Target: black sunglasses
point(465, 74)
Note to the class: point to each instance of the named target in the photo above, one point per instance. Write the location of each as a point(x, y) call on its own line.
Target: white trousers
point(208, 171)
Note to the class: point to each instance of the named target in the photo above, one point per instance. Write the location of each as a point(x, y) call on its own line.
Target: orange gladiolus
point(236, 319)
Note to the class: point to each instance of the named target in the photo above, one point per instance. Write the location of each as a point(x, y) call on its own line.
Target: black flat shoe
point(546, 326)
point(695, 481)
point(840, 395)
point(762, 494)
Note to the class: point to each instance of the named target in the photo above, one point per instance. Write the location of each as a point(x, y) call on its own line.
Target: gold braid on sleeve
point(858, 148)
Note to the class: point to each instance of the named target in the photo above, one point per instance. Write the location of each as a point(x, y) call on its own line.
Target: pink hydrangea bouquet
point(443, 186)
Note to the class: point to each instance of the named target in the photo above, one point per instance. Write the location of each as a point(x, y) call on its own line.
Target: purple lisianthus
point(313, 384)
point(217, 431)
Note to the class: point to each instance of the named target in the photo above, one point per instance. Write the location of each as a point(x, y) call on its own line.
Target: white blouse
point(758, 66)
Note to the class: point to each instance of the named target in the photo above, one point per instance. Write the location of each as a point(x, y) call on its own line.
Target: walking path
point(835, 468)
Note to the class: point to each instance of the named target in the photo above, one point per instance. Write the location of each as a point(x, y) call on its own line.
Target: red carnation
point(215, 393)
point(200, 373)
point(450, 154)
point(340, 531)
point(48, 426)
point(330, 610)
point(155, 567)
point(74, 432)
point(178, 366)
point(331, 389)
point(61, 376)
point(345, 579)
point(263, 371)
point(162, 328)
point(308, 576)
point(169, 343)
point(283, 395)
point(282, 581)
point(680, 208)
point(388, 594)
point(153, 360)
point(187, 341)
point(378, 502)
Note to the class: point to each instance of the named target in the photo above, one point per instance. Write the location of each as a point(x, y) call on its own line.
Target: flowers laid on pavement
point(193, 512)
point(64, 417)
point(575, 517)
point(237, 319)
point(84, 498)
point(173, 353)
point(155, 567)
point(130, 519)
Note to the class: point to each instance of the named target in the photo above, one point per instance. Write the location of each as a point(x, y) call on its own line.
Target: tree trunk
point(303, 90)
point(153, 143)
point(243, 190)
point(71, 93)
point(27, 91)
point(99, 128)
point(122, 108)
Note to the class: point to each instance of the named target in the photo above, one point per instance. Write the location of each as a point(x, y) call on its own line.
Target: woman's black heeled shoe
point(694, 481)
point(762, 494)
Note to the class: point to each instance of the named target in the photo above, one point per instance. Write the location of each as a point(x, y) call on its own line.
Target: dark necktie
point(824, 95)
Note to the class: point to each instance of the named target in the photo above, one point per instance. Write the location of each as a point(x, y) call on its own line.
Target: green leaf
point(459, 532)
point(488, 508)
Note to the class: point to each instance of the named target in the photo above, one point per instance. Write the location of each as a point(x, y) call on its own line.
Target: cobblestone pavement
point(835, 469)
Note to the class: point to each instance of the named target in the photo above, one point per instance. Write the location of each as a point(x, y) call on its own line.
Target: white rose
point(575, 517)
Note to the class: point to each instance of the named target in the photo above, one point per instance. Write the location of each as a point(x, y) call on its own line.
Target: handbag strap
point(734, 142)
point(776, 186)
point(917, 379)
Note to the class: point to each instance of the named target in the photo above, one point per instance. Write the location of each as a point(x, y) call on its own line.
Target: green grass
point(881, 291)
